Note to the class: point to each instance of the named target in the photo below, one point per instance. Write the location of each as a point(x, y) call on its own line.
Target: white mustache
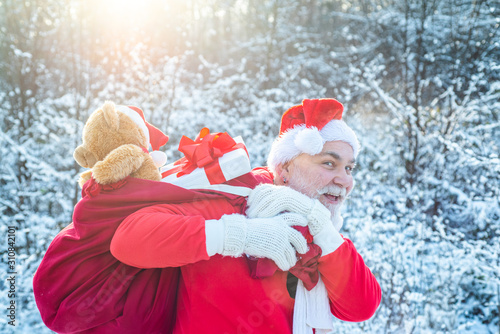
point(333, 190)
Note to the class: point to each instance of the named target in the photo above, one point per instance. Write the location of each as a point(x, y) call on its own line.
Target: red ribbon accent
point(204, 152)
point(93, 189)
point(306, 268)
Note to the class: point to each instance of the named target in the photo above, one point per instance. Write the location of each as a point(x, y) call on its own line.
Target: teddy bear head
point(105, 130)
point(111, 130)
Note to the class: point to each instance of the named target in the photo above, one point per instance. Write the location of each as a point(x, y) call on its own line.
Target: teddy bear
point(115, 142)
point(78, 266)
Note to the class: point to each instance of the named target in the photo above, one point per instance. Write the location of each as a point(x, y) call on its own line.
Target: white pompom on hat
point(307, 127)
point(154, 136)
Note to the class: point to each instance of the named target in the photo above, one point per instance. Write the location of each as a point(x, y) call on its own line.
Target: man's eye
point(328, 163)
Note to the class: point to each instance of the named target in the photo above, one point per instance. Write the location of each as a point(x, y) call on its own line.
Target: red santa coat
point(217, 294)
point(80, 287)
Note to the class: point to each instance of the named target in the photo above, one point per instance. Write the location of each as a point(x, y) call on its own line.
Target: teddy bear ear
point(110, 115)
point(84, 157)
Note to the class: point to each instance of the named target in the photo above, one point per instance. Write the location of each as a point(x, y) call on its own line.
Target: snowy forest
point(419, 80)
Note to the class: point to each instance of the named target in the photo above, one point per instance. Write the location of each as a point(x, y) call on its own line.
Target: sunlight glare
point(126, 11)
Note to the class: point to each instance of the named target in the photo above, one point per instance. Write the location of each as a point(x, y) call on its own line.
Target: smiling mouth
point(333, 198)
point(332, 194)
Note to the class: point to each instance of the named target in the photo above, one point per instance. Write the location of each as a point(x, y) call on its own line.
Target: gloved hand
point(273, 237)
point(268, 200)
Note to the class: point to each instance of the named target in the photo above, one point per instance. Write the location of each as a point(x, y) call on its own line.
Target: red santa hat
point(307, 127)
point(154, 136)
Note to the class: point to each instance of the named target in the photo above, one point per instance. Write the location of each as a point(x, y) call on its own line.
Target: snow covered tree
point(419, 81)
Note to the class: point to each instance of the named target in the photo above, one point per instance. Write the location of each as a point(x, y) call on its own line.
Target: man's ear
point(282, 172)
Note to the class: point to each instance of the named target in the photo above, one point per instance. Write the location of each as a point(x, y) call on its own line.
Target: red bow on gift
point(204, 152)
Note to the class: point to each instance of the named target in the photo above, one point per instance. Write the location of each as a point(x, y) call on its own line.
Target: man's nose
point(342, 179)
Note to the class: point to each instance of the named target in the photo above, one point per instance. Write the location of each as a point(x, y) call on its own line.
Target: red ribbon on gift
point(204, 152)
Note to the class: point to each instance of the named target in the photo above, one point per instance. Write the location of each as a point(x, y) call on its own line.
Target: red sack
point(80, 287)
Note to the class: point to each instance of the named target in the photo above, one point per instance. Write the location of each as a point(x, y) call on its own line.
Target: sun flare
point(126, 13)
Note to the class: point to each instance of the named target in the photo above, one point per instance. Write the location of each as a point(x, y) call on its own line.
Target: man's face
point(326, 176)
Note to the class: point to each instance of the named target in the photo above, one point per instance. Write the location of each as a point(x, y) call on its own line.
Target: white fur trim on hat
point(136, 118)
point(301, 139)
point(159, 158)
point(309, 140)
point(339, 130)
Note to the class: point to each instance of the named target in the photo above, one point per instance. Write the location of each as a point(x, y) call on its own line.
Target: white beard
point(300, 183)
point(337, 219)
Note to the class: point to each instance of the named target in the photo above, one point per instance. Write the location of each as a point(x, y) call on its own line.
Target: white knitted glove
point(325, 232)
point(273, 238)
point(267, 200)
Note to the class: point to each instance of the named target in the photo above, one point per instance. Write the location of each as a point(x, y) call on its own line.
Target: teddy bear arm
point(148, 170)
point(123, 161)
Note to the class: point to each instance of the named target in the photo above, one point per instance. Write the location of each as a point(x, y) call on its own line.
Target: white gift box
point(232, 164)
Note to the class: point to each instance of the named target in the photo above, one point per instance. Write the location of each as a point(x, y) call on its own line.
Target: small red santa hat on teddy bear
point(154, 136)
